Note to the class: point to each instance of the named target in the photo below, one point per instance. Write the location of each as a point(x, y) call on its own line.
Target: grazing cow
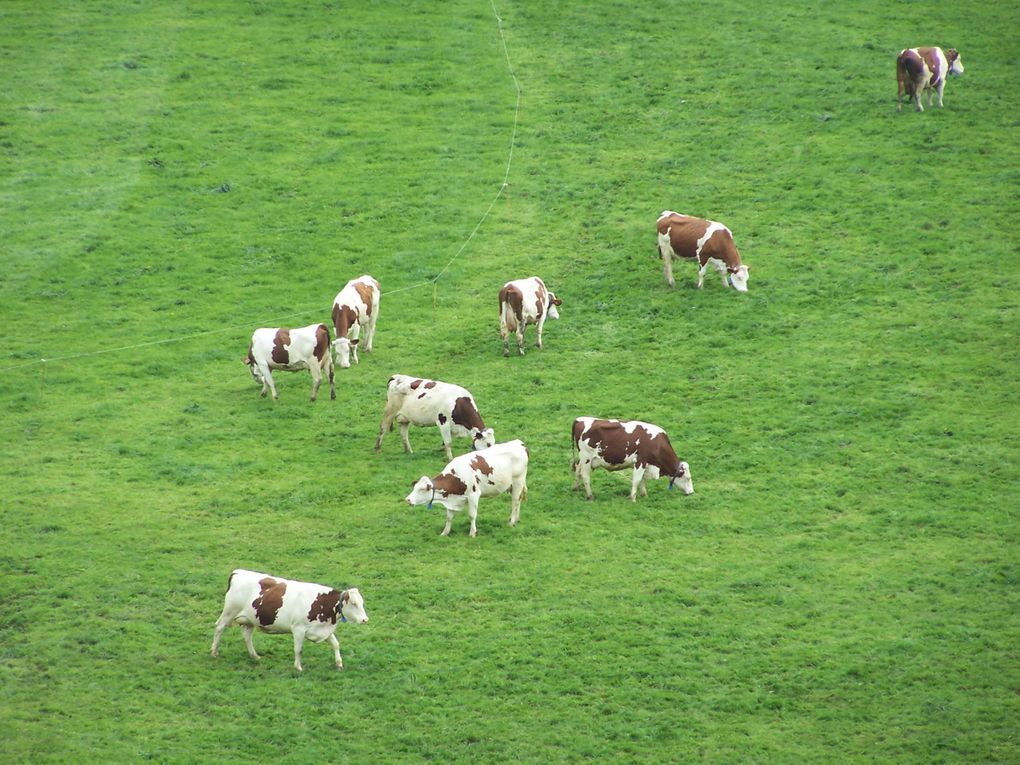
point(278, 605)
point(469, 477)
point(421, 402)
point(291, 350)
point(619, 444)
point(524, 302)
point(682, 236)
point(356, 306)
point(920, 69)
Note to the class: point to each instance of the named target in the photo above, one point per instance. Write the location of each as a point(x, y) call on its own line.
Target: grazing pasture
point(842, 587)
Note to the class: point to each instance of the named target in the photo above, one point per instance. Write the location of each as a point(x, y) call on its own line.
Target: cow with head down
point(291, 350)
point(621, 444)
point(921, 69)
point(276, 605)
point(469, 477)
point(523, 302)
point(422, 402)
point(355, 307)
point(706, 241)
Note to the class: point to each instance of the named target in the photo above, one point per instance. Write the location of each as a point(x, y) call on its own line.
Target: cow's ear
point(557, 301)
point(354, 342)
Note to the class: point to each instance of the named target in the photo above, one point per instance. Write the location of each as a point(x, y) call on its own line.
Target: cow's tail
point(575, 455)
point(230, 580)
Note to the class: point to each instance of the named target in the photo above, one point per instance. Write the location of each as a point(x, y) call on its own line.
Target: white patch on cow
point(713, 227)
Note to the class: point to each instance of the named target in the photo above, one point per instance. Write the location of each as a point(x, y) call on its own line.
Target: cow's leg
point(701, 274)
point(636, 479)
point(329, 368)
point(539, 326)
point(355, 336)
point(517, 489)
point(941, 87)
point(336, 651)
point(267, 381)
point(246, 631)
point(643, 486)
point(447, 435)
point(667, 267)
point(370, 331)
point(449, 522)
point(520, 338)
point(316, 379)
point(472, 509)
point(504, 334)
point(404, 427)
point(389, 414)
point(299, 640)
point(585, 471)
point(221, 624)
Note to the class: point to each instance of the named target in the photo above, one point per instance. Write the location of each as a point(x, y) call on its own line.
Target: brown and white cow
point(711, 243)
point(276, 605)
point(421, 402)
point(920, 69)
point(619, 444)
point(469, 477)
point(356, 306)
point(290, 350)
point(523, 302)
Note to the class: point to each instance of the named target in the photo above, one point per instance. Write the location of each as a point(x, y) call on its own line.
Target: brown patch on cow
point(415, 384)
point(466, 415)
point(425, 388)
point(931, 60)
point(442, 418)
point(324, 607)
point(479, 464)
point(344, 318)
point(515, 298)
point(250, 358)
point(449, 484)
point(541, 298)
point(269, 601)
point(615, 445)
point(280, 354)
point(322, 341)
point(686, 231)
point(365, 293)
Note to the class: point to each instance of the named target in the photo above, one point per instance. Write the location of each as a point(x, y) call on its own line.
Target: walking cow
point(276, 605)
point(421, 402)
point(469, 477)
point(291, 350)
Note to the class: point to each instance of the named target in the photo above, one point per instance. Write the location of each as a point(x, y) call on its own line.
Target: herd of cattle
point(312, 611)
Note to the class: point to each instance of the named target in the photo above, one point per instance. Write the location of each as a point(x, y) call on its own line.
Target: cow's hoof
point(214, 653)
point(339, 667)
point(506, 353)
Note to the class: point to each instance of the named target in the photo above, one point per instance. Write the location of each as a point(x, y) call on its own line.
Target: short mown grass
point(843, 585)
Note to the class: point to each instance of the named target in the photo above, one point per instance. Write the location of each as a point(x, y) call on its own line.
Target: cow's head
point(553, 302)
point(682, 478)
point(423, 492)
point(738, 278)
point(352, 606)
point(482, 439)
point(955, 62)
point(342, 346)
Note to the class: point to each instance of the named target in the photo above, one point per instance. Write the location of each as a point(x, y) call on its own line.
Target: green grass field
point(843, 585)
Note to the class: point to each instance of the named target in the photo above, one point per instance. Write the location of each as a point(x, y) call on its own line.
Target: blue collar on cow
point(433, 499)
point(671, 479)
point(340, 607)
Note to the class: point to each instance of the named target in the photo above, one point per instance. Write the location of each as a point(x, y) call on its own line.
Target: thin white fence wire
point(433, 280)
